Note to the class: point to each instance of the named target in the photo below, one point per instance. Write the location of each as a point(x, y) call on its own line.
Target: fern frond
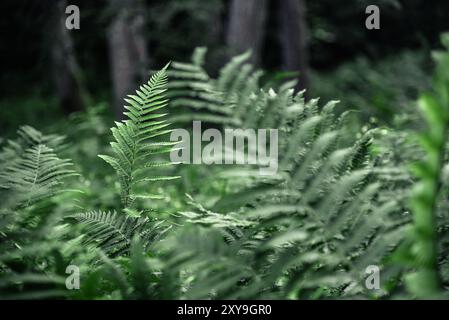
point(135, 145)
point(113, 232)
point(37, 174)
point(27, 138)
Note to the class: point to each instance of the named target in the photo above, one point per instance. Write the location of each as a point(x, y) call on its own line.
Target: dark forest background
point(49, 72)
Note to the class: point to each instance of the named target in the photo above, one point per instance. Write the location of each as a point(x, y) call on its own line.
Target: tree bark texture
point(127, 50)
point(293, 35)
point(246, 28)
point(67, 75)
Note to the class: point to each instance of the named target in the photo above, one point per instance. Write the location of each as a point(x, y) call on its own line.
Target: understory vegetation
point(138, 226)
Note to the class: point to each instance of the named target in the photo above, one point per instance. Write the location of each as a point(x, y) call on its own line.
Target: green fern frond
point(37, 174)
point(113, 232)
point(28, 137)
point(136, 138)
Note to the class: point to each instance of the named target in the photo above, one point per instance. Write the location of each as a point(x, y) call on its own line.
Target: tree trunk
point(128, 50)
point(216, 30)
point(246, 27)
point(67, 76)
point(293, 34)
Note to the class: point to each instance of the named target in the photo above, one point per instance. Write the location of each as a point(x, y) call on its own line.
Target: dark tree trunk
point(216, 25)
point(67, 76)
point(293, 33)
point(246, 27)
point(128, 50)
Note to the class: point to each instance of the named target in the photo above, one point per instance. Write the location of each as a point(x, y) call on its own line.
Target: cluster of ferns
point(340, 202)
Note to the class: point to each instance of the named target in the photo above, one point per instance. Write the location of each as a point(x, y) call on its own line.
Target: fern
point(137, 143)
point(28, 137)
point(194, 95)
point(35, 173)
point(133, 151)
point(113, 233)
point(328, 202)
point(31, 175)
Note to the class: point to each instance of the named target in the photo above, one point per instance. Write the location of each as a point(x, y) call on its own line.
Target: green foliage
point(32, 236)
point(425, 281)
point(339, 202)
point(373, 89)
point(329, 201)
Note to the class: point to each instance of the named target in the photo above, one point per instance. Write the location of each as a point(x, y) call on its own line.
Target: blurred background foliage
point(376, 72)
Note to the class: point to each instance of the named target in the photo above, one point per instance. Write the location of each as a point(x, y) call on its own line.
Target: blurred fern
point(330, 202)
point(425, 281)
point(31, 174)
point(30, 169)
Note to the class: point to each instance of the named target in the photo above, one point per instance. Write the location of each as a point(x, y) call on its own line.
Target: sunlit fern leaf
point(113, 232)
point(137, 140)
